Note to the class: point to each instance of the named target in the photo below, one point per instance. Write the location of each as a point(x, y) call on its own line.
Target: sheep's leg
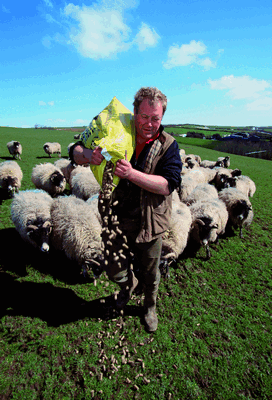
point(208, 253)
point(241, 233)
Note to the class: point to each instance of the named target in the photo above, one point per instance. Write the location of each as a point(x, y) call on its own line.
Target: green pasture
point(61, 339)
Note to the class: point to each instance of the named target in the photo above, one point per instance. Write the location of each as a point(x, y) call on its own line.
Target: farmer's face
point(148, 120)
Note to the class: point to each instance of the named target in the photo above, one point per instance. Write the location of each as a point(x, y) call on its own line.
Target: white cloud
point(43, 103)
point(188, 54)
point(100, 33)
point(5, 10)
point(50, 19)
point(46, 41)
point(146, 37)
point(48, 3)
point(100, 30)
point(261, 104)
point(241, 87)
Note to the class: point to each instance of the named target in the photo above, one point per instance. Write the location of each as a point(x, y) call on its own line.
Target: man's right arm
point(82, 155)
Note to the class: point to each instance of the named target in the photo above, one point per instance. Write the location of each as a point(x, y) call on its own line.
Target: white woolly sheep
point(209, 220)
point(65, 166)
point(245, 185)
point(239, 208)
point(83, 183)
point(11, 177)
point(175, 238)
point(77, 231)
point(203, 191)
point(15, 149)
point(225, 177)
point(192, 178)
point(225, 160)
point(211, 164)
point(52, 148)
point(30, 214)
point(49, 178)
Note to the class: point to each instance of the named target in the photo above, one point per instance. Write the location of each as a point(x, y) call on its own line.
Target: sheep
point(11, 177)
point(239, 208)
point(15, 149)
point(226, 161)
point(77, 231)
point(49, 178)
point(66, 167)
point(192, 178)
point(51, 148)
point(209, 220)
point(193, 157)
point(175, 238)
point(245, 185)
point(77, 136)
point(203, 191)
point(225, 177)
point(30, 214)
point(211, 164)
point(84, 183)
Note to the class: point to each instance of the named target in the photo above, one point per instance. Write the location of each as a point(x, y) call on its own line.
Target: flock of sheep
point(211, 196)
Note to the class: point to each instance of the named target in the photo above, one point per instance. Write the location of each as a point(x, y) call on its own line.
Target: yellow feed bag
point(114, 131)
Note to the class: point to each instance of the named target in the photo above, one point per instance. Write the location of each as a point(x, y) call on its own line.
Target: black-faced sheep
point(203, 191)
point(209, 220)
point(11, 177)
point(211, 164)
point(175, 238)
point(66, 167)
point(83, 183)
point(15, 149)
point(225, 178)
point(52, 148)
point(245, 185)
point(77, 231)
point(239, 208)
point(226, 161)
point(49, 178)
point(30, 214)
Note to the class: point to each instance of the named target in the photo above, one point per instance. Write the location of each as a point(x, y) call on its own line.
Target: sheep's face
point(16, 145)
point(227, 182)
point(39, 233)
point(58, 179)
point(10, 184)
point(207, 230)
point(240, 211)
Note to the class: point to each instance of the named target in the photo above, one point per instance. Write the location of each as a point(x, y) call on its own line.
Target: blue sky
point(62, 63)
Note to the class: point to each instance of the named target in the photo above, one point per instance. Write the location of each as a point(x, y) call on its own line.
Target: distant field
point(59, 341)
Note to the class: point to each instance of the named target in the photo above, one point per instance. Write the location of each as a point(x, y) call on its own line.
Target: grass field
point(58, 339)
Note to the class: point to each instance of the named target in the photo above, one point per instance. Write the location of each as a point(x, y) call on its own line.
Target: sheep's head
point(207, 230)
point(58, 179)
point(39, 232)
point(240, 211)
point(227, 182)
point(236, 172)
point(16, 145)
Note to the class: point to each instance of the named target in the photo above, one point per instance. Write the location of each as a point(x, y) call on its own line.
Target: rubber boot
point(126, 291)
point(150, 315)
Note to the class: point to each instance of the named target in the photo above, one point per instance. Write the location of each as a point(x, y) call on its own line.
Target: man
point(144, 196)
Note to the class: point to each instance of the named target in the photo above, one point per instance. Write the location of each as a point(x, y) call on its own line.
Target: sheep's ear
point(200, 222)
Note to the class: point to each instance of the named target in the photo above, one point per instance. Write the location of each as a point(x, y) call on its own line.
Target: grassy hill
point(59, 339)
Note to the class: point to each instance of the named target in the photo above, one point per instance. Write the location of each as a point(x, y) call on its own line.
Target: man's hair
point(151, 93)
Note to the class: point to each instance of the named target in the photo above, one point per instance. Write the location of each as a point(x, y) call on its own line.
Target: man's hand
point(96, 157)
point(123, 168)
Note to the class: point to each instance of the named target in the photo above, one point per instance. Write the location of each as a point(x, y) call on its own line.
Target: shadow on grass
point(55, 305)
